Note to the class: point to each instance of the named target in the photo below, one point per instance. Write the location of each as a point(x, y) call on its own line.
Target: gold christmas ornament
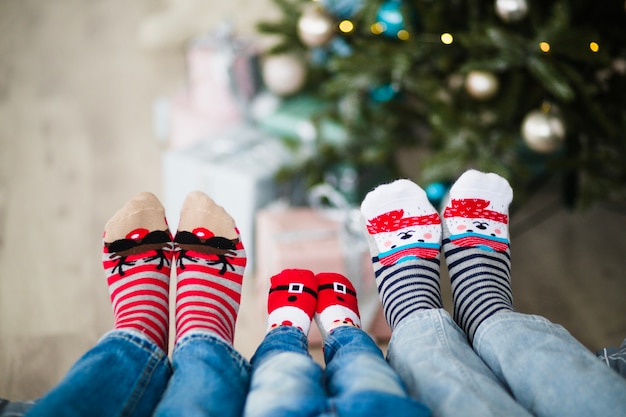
point(511, 10)
point(543, 131)
point(315, 26)
point(283, 74)
point(482, 85)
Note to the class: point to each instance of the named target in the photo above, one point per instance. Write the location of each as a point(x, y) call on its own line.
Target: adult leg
point(127, 371)
point(438, 366)
point(429, 352)
point(545, 368)
point(359, 380)
point(285, 379)
point(210, 377)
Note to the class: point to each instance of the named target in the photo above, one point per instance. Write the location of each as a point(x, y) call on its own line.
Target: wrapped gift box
point(235, 168)
point(222, 78)
point(189, 124)
point(305, 238)
point(296, 117)
point(222, 74)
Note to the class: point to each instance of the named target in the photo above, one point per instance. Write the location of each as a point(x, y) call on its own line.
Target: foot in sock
point(137, 254)
point(337, 303)
point(210, 263)
point(292, 299)
point(404, 234)
point(477, 250)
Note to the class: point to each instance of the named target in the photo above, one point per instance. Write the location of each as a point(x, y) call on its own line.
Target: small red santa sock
point(210, 263)
point(137, 254)
point(292, 299)
point(337, 303)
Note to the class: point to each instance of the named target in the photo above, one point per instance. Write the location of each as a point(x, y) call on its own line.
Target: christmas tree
point(531, 89)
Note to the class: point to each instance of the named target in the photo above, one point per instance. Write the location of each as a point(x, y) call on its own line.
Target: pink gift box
point(222, 75)
point(189, 124)
point(305, 238)
point(209, 82)
point(221, 82)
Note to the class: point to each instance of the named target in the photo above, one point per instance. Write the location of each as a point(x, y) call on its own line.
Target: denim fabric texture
point(357, 380)
point(548, 371)
point(518, 365)
point(210, 379)
point(126, 375)
point(124, 368)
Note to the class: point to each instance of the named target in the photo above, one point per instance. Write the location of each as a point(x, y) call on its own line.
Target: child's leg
point(285, 379)
point(359, 380)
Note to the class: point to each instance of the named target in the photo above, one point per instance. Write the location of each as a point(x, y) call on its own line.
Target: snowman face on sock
point(472, 223)
point(485, 227)
point(400, 237)
point(407, 236)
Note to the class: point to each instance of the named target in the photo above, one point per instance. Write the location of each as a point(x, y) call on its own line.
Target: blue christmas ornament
point(340, 47)
point(318, 56)
point(342, 9)
point(383, 93)
point(390, 16)
point(436, 191)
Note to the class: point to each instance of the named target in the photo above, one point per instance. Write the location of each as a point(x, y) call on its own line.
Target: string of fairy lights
point(321, 28)
point(347, 26)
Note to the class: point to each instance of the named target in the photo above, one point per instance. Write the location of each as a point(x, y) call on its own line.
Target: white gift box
point(235, 168)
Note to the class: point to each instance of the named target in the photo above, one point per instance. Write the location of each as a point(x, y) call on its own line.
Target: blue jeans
point(519, 365)
point(126, 375)
point(357, 380)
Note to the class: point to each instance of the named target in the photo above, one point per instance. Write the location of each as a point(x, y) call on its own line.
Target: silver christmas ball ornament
point(482, 85)
point(512, 10)
point(543, 132)
point(315, 26)
point(283, 74)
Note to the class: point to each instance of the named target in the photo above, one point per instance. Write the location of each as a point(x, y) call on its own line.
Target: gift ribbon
point(240, 63)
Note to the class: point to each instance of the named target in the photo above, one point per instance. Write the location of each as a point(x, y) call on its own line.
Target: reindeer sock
point(404, 234)
point(337, 303)
point(476, 245)
point(137, 254)
point(292, 299)
point(210, 264)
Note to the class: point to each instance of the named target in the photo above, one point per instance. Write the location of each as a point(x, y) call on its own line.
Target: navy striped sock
point(477, 250)
point(404, 233)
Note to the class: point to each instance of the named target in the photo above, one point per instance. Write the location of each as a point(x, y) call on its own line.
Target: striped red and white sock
point(210, 264)
point(137, 254)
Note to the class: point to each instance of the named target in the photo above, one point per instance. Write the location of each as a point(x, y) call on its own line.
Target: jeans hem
point(281, 339)
point(137, 338)
point(211, 339)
